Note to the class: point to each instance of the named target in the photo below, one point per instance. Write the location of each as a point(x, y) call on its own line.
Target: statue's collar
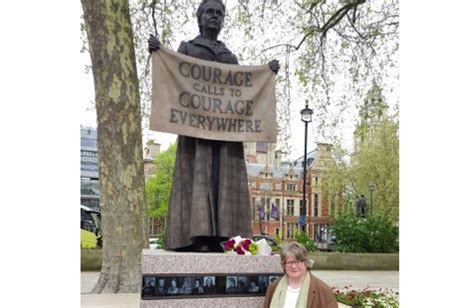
point(200, 40)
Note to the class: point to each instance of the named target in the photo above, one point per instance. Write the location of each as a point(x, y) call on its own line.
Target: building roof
point(310, 157)
point(277, 173)
point(88, 132)
point(254, 169)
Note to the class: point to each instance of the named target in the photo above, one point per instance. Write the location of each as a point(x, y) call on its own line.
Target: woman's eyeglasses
point(290, 263)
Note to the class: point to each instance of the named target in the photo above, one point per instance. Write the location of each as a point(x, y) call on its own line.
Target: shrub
point(373, 234)
point(278, 239)
point(303, 238)
point(161, 240)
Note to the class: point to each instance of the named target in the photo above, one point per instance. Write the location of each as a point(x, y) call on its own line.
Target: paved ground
point(119, 300)
point(357, 279)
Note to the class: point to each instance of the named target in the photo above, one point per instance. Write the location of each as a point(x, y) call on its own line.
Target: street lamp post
point(282, 208)
point(306, 117)
point(371, 189)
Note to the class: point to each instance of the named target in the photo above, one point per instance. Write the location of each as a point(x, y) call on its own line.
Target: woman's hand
point(274, 66)
point(153, 44)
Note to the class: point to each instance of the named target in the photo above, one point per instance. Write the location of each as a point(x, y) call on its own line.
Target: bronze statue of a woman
point(210, 197)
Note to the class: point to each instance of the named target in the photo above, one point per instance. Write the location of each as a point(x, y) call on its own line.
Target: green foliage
point(374, 234)
point(161, 240)
point(377, 160)
point(158, 187)
point(303, 238)
point(253, 248)
point(278, 239)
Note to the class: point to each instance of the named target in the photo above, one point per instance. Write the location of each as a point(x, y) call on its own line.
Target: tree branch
point(275, 46)
point(336, 17)
point(153, 4)
point(245, 7)
point(305, 37)
point(333, 21)
point(310, 10)
point(360, 35)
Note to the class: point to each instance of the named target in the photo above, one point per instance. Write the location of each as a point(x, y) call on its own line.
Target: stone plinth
point(159, 264)
point(157, 261)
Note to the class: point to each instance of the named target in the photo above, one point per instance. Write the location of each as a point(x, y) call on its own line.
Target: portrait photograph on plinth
point(199, 286)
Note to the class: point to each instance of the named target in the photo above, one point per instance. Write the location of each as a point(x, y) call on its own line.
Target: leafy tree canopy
point(158, 187)
point(376, 162)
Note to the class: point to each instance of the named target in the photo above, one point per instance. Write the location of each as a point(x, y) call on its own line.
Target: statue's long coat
point(210, 195)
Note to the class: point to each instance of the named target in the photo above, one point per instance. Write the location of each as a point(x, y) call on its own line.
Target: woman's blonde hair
point(297, 251)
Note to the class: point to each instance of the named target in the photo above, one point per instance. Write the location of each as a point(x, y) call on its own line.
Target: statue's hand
point(274, 66)
point(153, 43)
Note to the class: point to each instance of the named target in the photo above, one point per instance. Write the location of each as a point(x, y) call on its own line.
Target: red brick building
point(279, 185)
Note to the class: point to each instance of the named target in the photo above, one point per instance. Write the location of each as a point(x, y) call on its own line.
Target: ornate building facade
point(151, 150)
point(372, 112)
point(276, 191)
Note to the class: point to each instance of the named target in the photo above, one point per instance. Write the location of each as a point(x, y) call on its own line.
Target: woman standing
point(298, 287)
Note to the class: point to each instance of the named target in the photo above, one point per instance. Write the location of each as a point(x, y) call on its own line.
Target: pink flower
point(240, 251)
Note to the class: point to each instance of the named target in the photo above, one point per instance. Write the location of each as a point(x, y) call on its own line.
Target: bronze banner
point(212, 100)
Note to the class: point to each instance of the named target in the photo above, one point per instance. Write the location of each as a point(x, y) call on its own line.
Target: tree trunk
point(122, 195)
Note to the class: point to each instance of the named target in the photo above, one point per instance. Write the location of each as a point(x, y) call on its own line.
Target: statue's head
point(211, 14)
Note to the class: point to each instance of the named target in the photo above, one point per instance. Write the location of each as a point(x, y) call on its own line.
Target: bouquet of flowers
point(244, 246)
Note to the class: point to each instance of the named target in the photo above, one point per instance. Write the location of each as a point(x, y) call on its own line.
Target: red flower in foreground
point(228, 245)
point(246, 244)
point(240, 251)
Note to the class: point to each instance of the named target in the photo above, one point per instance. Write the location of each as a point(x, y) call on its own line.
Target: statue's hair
point(201, 10)
point(297, 251)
